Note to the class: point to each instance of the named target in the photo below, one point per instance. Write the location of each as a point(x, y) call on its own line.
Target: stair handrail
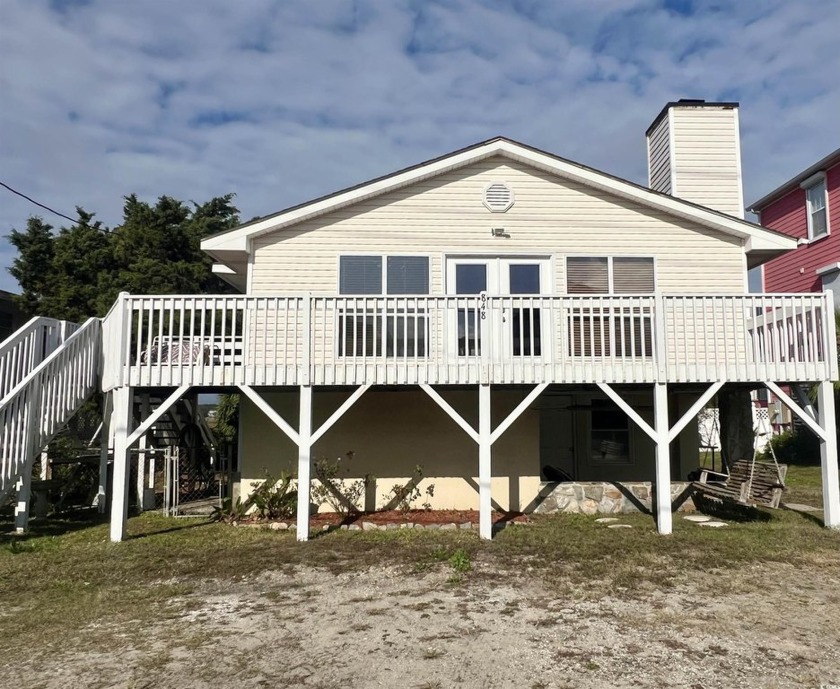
point(40, 404)
point(47, 361)
point(28, 346)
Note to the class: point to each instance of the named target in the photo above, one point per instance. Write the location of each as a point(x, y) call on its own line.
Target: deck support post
point(484, 438)
point(304, 462)
point(660, 433)
point(828, 455)
point(662, 486)
point(121, 420)
point(105, 435)
point(485, 460)
point(304, 437)
point(24, 486)
point(141, 455)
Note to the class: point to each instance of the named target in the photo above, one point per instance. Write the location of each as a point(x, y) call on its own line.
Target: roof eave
point(830, 160)
point(237, 240)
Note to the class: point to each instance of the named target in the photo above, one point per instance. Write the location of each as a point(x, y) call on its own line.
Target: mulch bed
point(413, 517)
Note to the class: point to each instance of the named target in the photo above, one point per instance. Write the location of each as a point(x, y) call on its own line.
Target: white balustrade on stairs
point(28, 346)
point(36, 408)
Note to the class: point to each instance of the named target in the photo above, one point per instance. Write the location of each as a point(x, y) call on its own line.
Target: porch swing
point(748, 483)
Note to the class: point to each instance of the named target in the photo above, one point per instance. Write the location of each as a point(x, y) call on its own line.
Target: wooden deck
point(448, 340)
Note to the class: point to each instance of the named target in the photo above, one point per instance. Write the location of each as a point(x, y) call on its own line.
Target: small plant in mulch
point(342, 495)
point(230, 511)
point(404, 495)
point(275, 497)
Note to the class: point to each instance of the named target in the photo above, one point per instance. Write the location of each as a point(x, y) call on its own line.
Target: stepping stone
point(714, 525)
point(797, 507)
point(606, 520)
point(619, 526)
point(697, 518)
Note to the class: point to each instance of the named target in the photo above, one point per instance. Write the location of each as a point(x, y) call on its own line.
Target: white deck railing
point(42, 402)
point(303, 340)
point(27, 347)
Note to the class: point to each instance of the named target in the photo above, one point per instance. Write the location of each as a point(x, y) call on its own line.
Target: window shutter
point(587, 275)
point(408, 275)
point(360, 275)
point(632, 275)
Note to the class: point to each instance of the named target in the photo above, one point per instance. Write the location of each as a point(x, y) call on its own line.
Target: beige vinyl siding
point(706, 158)
point(659, 157)
point(444, 215)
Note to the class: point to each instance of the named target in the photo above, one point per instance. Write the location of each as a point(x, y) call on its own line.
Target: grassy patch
point(65, 585)
point(804, 485)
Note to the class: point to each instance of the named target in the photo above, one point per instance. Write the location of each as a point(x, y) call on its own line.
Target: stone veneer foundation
point(608, 498)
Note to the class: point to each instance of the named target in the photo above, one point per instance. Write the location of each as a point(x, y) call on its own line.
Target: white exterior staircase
point(48, 369)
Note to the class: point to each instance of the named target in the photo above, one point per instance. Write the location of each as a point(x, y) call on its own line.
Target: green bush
point(342, 494)
point(275, 498)
point(230, 511)
point(800, 447)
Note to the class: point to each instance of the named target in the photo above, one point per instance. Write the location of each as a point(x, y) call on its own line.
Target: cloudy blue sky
point(280, 102)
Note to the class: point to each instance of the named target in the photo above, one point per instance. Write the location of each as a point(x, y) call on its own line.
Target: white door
point(516, 320)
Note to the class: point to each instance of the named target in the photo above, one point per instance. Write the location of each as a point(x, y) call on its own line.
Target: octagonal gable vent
point(498, 197)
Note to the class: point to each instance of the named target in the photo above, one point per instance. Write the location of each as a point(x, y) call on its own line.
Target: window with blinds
point(587, 275)
point(408, 275)
point(373, 328)
point(606, 328)
point(360, 275)
point(609, 275)
point(817, 218)
point(632, 275)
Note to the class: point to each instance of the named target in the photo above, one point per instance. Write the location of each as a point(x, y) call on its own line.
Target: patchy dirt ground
point(384, 627)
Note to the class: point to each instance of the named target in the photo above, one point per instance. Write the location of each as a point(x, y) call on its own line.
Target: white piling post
point(304, 462)
point(105, 436)
point(485, 454)
point(663, 460)
point(828, 455)
point(121, 420)
point(141, 455)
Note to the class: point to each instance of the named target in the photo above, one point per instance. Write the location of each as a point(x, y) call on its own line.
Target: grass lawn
point(65, 576)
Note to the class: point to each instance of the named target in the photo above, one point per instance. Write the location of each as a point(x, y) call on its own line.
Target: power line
point(41, 205)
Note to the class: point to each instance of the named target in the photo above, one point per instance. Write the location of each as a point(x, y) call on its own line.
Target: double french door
point(511, 320)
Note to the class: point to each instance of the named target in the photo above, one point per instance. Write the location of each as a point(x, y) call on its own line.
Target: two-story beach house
point(502, 317)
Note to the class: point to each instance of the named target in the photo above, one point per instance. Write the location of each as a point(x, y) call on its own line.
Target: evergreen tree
point(33, 265)
point(156, 249)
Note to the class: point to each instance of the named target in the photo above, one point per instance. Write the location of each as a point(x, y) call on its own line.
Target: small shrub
point(341, 495)
point(800, 447)
point(460, 561)
point(274, 498)
point(404, 495)
point(230, 511)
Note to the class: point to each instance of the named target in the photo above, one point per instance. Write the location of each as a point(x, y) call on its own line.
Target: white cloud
point(284, 101)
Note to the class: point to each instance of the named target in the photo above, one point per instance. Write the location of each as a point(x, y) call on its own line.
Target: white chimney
point(694, 153)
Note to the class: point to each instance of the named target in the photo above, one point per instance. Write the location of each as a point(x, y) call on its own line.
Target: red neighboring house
point(806, 207)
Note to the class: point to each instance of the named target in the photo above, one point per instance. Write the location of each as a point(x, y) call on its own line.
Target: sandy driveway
point(388, 628)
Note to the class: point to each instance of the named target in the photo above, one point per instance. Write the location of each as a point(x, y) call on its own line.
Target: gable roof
point(831, 159)
point(232, 246)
